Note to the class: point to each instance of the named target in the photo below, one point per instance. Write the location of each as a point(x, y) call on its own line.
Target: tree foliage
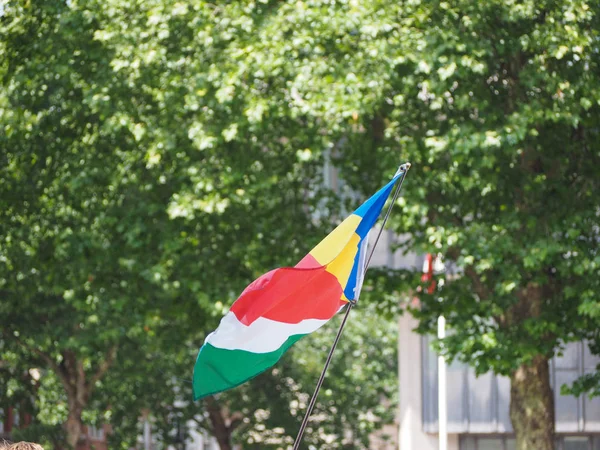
point(122, 224)
point(498, 108)
point(496, 104)
point(149, 149)
point(143, 172)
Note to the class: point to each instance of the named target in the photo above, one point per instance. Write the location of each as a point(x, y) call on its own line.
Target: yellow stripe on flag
point(341, 266)
point(330, 247)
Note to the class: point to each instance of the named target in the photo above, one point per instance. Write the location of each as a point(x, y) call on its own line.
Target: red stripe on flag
point(290, 295)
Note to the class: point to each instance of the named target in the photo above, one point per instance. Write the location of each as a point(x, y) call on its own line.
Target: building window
point(580, 442)
point(480, 405)
point(96, 434)
point(576, 443)
point(487, 443)
point(490, 444)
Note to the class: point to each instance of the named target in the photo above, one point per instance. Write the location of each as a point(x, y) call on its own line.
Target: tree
point(123, 225)
point(589, 383)
point(497, 106)
point(158, 138)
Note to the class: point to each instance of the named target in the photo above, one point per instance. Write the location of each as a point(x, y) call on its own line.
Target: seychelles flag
point(285, 304)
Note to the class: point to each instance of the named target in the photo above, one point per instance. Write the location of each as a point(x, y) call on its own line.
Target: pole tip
point(403, 168)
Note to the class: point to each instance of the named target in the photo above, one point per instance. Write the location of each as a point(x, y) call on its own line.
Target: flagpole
point(442, 401)
point(403, 169)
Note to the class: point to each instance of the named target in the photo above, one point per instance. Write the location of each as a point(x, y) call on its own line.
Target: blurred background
point(157, 156)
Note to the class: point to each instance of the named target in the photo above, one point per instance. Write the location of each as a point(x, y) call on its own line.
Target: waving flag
point(283, 305)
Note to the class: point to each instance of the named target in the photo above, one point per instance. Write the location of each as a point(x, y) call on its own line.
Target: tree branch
point(236, 419)
point(483, 292)
point(103, 367)
point(82, 390)
point(480, 289)
point(45, 357)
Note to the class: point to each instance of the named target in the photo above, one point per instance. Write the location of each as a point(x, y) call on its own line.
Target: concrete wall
point(411, 435)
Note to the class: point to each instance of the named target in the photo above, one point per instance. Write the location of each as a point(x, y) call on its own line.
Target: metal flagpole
point(403, 169)
point(442, 402)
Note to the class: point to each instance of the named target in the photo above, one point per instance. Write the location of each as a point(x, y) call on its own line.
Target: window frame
point(96, 433)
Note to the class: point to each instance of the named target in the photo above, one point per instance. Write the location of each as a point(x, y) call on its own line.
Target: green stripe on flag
point(219, 369)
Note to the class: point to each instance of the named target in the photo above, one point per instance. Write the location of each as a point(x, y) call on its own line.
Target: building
point(11, 419)
point(94, 438)
point(478, 407)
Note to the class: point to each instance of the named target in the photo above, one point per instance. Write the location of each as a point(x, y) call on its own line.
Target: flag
point(285, 304)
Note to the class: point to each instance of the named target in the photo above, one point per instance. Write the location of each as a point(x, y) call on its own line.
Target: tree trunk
point(532, 406)
point(221, 433)
point(221, 430)
point(78, 386)
point(73, 425)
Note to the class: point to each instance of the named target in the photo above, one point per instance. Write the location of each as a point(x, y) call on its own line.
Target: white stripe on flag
point(262, 336)
point(362, 259)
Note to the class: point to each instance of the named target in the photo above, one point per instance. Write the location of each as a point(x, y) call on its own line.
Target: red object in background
point(8, 420)
point(428, 274)
point(425, 277)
